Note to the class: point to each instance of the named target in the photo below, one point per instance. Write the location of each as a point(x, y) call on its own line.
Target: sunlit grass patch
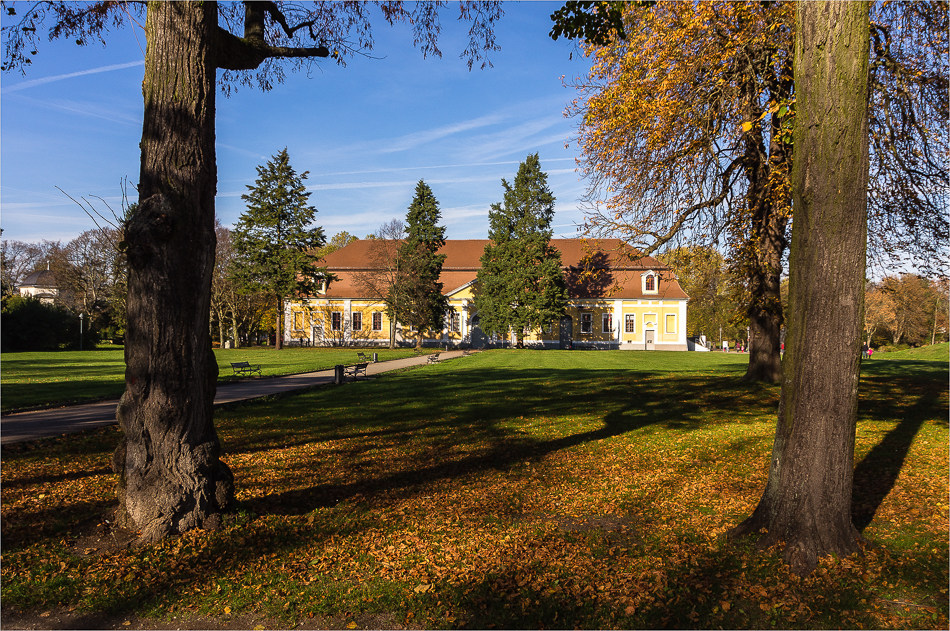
point(515, 489)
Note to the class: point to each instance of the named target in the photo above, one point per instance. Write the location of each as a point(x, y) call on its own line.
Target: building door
point(649, 337)
point(567, 332)
point(479, 339)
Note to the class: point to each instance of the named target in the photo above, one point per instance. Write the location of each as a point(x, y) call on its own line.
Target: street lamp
point(80, 331)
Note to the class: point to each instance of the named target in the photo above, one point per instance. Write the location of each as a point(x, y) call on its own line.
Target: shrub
point(26, 324)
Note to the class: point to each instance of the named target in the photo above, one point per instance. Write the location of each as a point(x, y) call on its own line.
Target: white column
point(618, 320)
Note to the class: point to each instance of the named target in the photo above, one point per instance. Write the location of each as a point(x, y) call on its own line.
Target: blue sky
point(366, 133)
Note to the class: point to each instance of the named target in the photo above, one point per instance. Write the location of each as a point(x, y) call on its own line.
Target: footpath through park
point(24, 426)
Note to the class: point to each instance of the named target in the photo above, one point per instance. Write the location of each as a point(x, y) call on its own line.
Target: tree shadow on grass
point(876, 474)
point(470, 431)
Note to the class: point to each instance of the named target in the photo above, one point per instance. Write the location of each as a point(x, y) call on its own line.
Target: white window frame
point(630, 323)
point(336, 321)
point(607, 322)
point(656, 282)
point(356, 317)
point(589, 322)
point(377, 315)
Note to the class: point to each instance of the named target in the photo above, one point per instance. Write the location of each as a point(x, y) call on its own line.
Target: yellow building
point(616, 299)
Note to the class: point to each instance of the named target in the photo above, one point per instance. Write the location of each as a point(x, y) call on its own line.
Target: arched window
point(650, 283)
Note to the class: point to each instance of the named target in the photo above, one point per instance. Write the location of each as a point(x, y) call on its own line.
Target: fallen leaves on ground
point(575, 502)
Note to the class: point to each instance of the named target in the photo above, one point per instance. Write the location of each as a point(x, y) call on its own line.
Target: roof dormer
point(650, 282)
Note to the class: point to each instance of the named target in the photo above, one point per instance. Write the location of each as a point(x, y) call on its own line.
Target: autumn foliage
point(588, 490)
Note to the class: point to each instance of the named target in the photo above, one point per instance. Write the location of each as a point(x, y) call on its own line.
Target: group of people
point(866, 352)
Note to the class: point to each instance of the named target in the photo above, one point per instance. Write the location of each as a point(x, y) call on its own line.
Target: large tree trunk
point(807, 500)
point(171, 477)
point(765, 309)
point(766, 170)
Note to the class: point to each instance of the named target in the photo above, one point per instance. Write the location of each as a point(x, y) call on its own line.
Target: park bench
point(434, 358)
point(360, 356)
point(356, 370)
point(244, 368)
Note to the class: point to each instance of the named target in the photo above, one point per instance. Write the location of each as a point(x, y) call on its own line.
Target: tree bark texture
point(172, 479)
point(807, 500)
point(768, 205)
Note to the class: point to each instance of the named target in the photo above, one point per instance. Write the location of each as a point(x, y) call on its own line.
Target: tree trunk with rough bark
point(807, 500)
point(172, 479)
point(768, 199)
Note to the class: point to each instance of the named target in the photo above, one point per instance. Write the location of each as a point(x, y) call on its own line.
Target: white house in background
point(41, 285)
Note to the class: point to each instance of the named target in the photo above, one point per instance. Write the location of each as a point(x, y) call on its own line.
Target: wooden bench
point(356, 370)
point(244, 368)
point(360, 356)
point(433, 358)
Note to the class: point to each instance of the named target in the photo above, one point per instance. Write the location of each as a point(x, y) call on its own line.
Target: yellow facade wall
point(313, 320)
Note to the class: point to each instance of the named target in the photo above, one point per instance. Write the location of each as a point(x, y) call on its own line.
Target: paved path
point(24, 426)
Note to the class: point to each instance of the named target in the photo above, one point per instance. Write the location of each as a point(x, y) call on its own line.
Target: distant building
point(616, 299)
point(41, 285)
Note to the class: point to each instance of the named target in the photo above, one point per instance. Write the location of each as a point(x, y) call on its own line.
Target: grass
point(517, 489)
point(49, 379)
point(933, 352)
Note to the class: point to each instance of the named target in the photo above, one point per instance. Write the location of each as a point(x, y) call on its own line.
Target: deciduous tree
point(337, 241)
point(687, 114)
point(383, 270)
point(807, 500)
point(521, 281)
point(714, 295)
point(172, 478)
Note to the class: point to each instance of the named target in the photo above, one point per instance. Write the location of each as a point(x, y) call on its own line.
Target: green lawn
point(517, 489)
point(29, 380)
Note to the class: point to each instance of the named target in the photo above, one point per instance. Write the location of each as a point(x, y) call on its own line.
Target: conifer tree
point(273, 241)
point(521, 281)
point(417, 294)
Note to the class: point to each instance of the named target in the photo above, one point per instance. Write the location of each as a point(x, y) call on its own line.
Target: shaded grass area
point(49, 379)
point(515, 489)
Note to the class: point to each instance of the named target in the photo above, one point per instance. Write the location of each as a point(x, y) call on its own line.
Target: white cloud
point(32, 83)
point(416, 139)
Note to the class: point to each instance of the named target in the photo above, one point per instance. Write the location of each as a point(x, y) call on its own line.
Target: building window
point(336, 321)
point(629, 323)
point(455, 321)
point(671, 323)
point(650, 284)
point(298, 320)
point(608, 322)
point(377, 320)
point(356, 319)
point(587, 323)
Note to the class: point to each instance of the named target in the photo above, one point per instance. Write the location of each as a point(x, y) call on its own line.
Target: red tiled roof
point(594, 268)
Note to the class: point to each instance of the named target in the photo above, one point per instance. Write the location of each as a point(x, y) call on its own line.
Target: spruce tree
point(521, 281)
point(417, 294)
point(273, 240)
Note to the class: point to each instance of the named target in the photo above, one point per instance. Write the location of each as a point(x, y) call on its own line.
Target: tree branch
point(241, 53)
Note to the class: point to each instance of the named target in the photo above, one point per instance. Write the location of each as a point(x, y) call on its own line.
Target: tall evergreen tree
point(416, 297)
point(521, 281)
point(272, 240)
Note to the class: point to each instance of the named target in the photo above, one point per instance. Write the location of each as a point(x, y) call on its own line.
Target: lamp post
point(80, 331)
